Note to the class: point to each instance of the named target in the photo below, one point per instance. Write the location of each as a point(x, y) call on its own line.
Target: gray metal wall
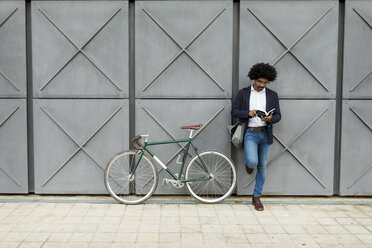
point(13, 92)
point(356, 145)
point(103, 71)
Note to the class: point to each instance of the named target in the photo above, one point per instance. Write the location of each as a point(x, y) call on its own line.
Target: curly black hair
point(262, 70)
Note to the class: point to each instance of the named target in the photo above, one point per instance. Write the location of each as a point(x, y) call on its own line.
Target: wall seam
point(131, 74)
point(30, 126)
point(338, 119)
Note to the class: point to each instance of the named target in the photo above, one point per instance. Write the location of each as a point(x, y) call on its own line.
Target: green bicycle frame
point(189, 142)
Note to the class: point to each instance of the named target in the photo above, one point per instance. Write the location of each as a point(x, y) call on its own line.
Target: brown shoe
point(257, 203)
point(249, 170)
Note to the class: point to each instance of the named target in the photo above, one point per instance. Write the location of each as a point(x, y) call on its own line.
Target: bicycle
point(131, 177)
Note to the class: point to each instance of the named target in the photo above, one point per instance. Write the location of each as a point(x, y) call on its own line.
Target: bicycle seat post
point(146, 136)
point(191, 131)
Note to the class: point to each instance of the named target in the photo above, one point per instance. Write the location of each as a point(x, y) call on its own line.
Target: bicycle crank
point(176, 183)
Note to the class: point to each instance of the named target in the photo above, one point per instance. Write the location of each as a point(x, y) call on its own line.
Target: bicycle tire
point(222, 170)
point(130, 190)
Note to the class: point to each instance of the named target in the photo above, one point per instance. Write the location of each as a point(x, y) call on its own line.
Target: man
point(259, 135)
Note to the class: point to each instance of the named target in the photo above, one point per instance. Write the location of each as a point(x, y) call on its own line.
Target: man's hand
point(252, 113)
point(267, 118)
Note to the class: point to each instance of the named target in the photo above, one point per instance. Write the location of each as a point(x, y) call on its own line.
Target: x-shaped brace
point(1, 73)
point(7, 117)
point(80, 146)
point(183, 49)
point(370, 71)
point(370, 166)
point(288, 148)
point(79, 49)
point(289, 48)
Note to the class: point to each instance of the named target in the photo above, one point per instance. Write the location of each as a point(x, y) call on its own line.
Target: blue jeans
point(257, 149)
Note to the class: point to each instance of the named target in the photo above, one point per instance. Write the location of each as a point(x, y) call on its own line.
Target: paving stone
point(54, 244)
point(87, 228)
point(249, 229)
point(315, 229)
point(126, 237)
point(77, 244)
point(37, 237)
point(324, 238)
point(327, 221)
point(150, 220)
point(192, 220)
point(336, 229)
point(258, 238)
point(145, 227)
point(205, 220)
point(237, 229)
point(347, 221)
point(15, 236)
point(169, 238)
point(5, 244)
point(29, 244)
point(64, 237)
point(104, 237)
point(81, 237)
point(273, 228)
point(189, 228)
point(129, 228)
point(347, 239)
point(365, 238)
point(107, 228)
point(235, 238)
point(170, 228)
point(294, 229)
point(211, 229)
point(214, 238)
point(357, 229)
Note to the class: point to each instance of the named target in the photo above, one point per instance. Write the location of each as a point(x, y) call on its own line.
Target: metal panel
point(162, 119)
point(74, 140)
point(356, 147)
point(12, 49)
point(301, 160)
point(183, 49)
point(357, 80)
point(13, 146)
point(299, 38)
point(80, 48)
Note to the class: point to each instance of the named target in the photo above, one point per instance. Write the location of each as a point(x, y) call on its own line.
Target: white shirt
point(257, 101)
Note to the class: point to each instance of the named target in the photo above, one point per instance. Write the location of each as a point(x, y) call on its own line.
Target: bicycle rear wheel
point(126, 188)
point(222, 172)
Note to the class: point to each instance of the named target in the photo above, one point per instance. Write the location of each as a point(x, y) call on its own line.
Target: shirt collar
point(262, 91)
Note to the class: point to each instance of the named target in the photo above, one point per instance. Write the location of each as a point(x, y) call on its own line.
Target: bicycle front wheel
point(221, 173)
point(127, 187)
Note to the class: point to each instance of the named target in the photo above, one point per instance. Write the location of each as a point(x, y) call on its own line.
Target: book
point(262, 113)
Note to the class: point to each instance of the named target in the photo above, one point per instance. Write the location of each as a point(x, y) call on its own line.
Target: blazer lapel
point(268, 101)
point(247, 99)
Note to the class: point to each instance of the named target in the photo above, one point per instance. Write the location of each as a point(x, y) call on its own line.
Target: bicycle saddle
point(194, 127)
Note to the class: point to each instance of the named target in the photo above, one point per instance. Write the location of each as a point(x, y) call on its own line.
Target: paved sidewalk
point(85, 221)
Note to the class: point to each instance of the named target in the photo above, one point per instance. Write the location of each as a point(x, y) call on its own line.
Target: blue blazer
point(272, 101)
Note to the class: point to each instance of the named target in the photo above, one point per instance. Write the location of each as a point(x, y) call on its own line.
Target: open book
point(262, 113)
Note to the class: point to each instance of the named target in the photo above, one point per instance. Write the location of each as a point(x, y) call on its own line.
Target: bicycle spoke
point(131, 189)
point(222, 174)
